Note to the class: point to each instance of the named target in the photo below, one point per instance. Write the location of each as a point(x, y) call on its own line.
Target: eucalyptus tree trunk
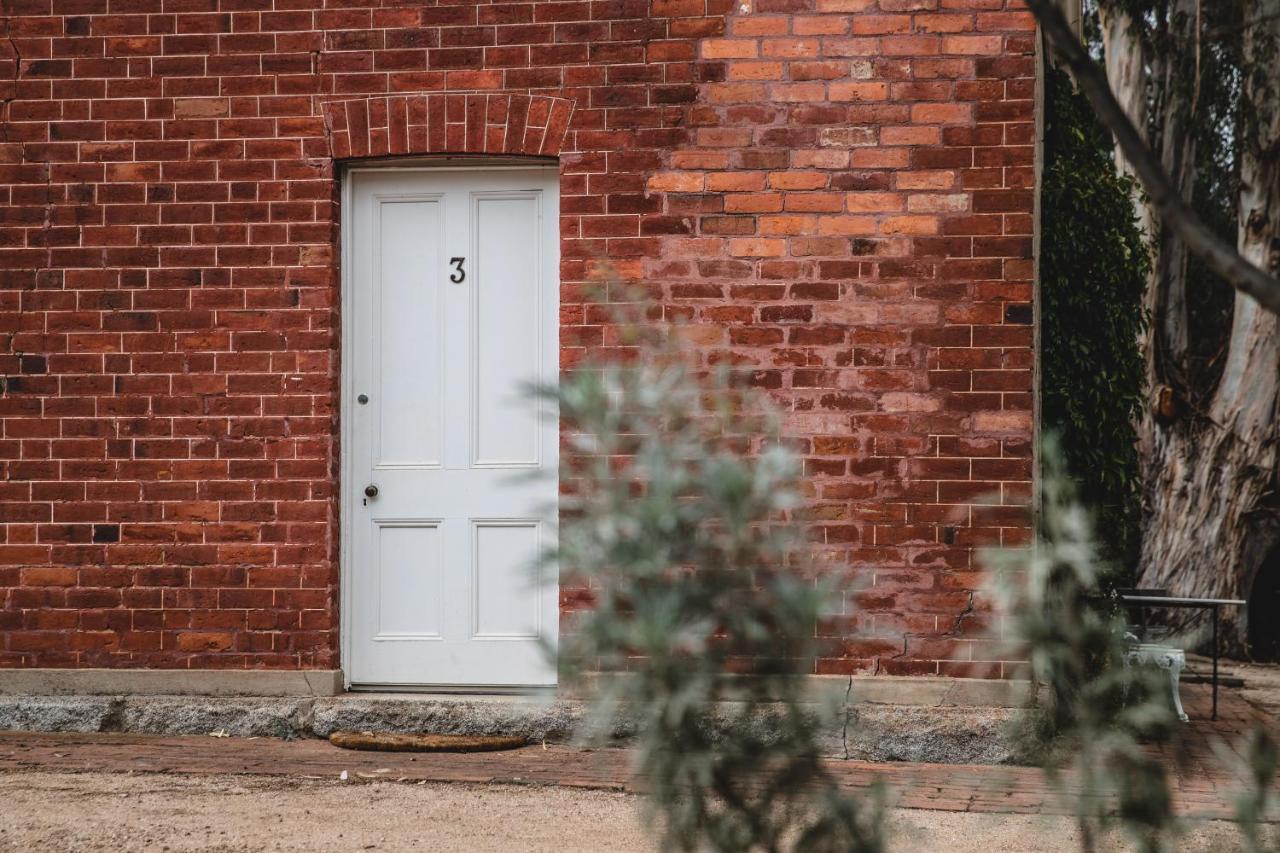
point(1155, 86)
point(1209, 470)
point(1130, 68)
point(1174, 69)
point(1126, 63)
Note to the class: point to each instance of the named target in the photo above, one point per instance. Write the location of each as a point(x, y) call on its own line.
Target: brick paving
point(1204, 785)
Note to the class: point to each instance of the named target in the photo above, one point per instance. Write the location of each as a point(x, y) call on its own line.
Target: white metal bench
point(1168, 658)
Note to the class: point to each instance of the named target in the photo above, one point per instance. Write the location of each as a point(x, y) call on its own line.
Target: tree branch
point(1221, 258)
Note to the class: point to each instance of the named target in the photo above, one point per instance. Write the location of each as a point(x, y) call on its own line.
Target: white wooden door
point(452, 300)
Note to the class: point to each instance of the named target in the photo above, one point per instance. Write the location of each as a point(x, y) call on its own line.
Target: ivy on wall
point(1093, 274)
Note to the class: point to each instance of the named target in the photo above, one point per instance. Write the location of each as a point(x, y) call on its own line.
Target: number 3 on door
point(459, 274)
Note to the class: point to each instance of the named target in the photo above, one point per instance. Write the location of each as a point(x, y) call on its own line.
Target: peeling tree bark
point(1209, 474)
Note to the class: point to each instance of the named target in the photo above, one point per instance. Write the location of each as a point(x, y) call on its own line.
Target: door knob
point(371, 491)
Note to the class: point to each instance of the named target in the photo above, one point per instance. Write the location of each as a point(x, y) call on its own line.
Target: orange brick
point(844, 5)
point(786, 225)
point(988, 21)
point(880, 158)
point(792, 48)
point(757, 247)
point(874, 25)
point(847, 225)
point(923, 313)
point(753, 203)
point(910, 45)
point(909, 225)
point(911, 135)
point(797, 180)
point(976, 45)
point(874, 202)
point(761, 25)
point(819, 25)
point(736, 93)
point(831, 247)
point(820, 158)
point(851, 47)
point(858, 91)
point(755, 70)
point(677, 182)
point(815, 202)
point(901, 401)
point(792, 92)
point(826, 70)
point(735, 181)
point(925, 180)
point(1013, 422)
point(730, 49)
point(941, 113)
point(948, 23)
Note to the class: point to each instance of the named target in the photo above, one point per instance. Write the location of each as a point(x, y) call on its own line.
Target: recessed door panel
point(408, 332)
point(506, 328)
point(505, 554)
point(409, 577)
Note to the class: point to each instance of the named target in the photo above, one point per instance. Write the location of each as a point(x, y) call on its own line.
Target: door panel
point(408, 568)
point(506, 343)
point(409, 427)
point(501, 549)
point(452, 306)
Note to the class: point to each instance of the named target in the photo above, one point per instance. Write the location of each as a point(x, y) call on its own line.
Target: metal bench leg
point(1175, 670)
point(1215, 663)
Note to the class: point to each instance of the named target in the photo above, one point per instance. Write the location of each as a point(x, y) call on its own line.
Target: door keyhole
point(458, 275)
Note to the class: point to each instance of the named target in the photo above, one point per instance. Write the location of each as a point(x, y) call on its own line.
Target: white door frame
point(347, 382)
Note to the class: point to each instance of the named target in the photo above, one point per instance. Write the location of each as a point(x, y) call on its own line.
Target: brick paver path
point(1204, 787)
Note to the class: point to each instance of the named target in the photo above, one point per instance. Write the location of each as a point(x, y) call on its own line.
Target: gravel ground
point(147, 811)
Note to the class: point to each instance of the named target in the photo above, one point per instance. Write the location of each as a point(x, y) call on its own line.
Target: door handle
point(371, 491)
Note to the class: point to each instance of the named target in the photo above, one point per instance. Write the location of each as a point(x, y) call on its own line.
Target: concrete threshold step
point(935, 733)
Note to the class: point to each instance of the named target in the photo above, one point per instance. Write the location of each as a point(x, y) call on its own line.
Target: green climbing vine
point(1093, 270)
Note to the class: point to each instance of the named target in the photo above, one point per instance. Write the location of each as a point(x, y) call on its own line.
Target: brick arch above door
point(452, 123)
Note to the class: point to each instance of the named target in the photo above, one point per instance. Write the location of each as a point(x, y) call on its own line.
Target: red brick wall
point(836, 192)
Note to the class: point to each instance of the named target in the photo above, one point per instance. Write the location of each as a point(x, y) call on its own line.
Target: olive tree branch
point(1174, 213)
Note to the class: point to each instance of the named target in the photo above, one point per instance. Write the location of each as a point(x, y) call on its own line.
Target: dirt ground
point(148, 811)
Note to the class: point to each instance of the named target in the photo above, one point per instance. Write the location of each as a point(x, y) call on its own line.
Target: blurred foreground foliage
point(701, 625)
point(678, 518)
point(1103, 717)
